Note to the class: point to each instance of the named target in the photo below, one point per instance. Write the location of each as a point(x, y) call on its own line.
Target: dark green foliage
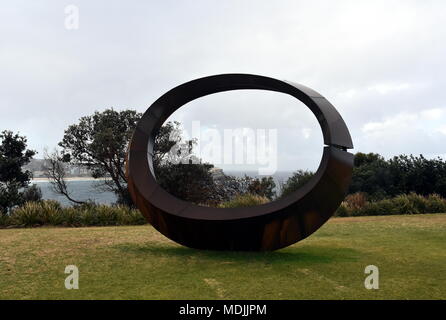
point(190, 182)
point(296, 181)
point(402, 174)
point(14, 182)
point(99, 142)
point(263, 187)
point(418, 174)
point(362, 159)
point(401, 185)
point(13, 156)
point(32, 193)
point(371, 175)
point(9, 197)
point(177, 170)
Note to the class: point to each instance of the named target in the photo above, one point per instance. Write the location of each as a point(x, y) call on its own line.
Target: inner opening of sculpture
point(238, 149)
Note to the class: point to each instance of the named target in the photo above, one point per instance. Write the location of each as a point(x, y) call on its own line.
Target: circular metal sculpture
point(265, 227)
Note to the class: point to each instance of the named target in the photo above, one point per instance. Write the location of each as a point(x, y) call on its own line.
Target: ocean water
point(84, 190)
point(81, 190)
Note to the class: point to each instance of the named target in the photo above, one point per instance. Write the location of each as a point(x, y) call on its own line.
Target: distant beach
point(67, 179)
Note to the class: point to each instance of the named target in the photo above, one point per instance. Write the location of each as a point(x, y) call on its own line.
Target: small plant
point(245, 200)
point(435, 203)
point(356, 200)
point(343, 210)
point(30, 214)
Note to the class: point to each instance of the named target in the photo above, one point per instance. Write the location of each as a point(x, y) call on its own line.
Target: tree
point(418, 174)
point(296, 181)
point(54, 169)
point(402, 174)
point(170, 148)
point(371, 175)
point(367, 158)
point(14, 182)
point(190, 182)
point(99, 142)
point(178, 170)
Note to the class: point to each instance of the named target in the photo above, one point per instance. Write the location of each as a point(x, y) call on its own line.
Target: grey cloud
point(125, 55)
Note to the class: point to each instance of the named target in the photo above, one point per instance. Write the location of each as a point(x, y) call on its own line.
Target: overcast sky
point(381, 63)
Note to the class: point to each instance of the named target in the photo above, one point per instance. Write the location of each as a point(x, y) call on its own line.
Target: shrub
point(342, 211)
point(356, 200)
point(435, 204)
point(30, 214)
point(263, 187)
point(128, 216)
point(419, 202)
point(245, 200)
point(70, 217)
point(190, 182)
point(103, 215)
point(375, 208)
point(403, 204)
point(50, 212)
point(4, 220)
point(352, 205)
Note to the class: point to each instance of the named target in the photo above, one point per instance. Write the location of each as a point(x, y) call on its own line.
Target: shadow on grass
point(296, 254)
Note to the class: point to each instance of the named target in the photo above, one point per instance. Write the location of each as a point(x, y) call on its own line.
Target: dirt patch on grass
point(214, 284)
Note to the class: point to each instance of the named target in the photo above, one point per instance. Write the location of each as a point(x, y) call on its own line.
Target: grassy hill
point(139, 263)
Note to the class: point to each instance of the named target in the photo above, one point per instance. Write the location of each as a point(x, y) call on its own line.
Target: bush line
point(51, 213)
point(357, 204)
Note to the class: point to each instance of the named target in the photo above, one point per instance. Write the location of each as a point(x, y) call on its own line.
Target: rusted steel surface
point(269, 226)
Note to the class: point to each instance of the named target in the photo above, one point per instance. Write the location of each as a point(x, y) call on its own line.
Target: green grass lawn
point(139, 263)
